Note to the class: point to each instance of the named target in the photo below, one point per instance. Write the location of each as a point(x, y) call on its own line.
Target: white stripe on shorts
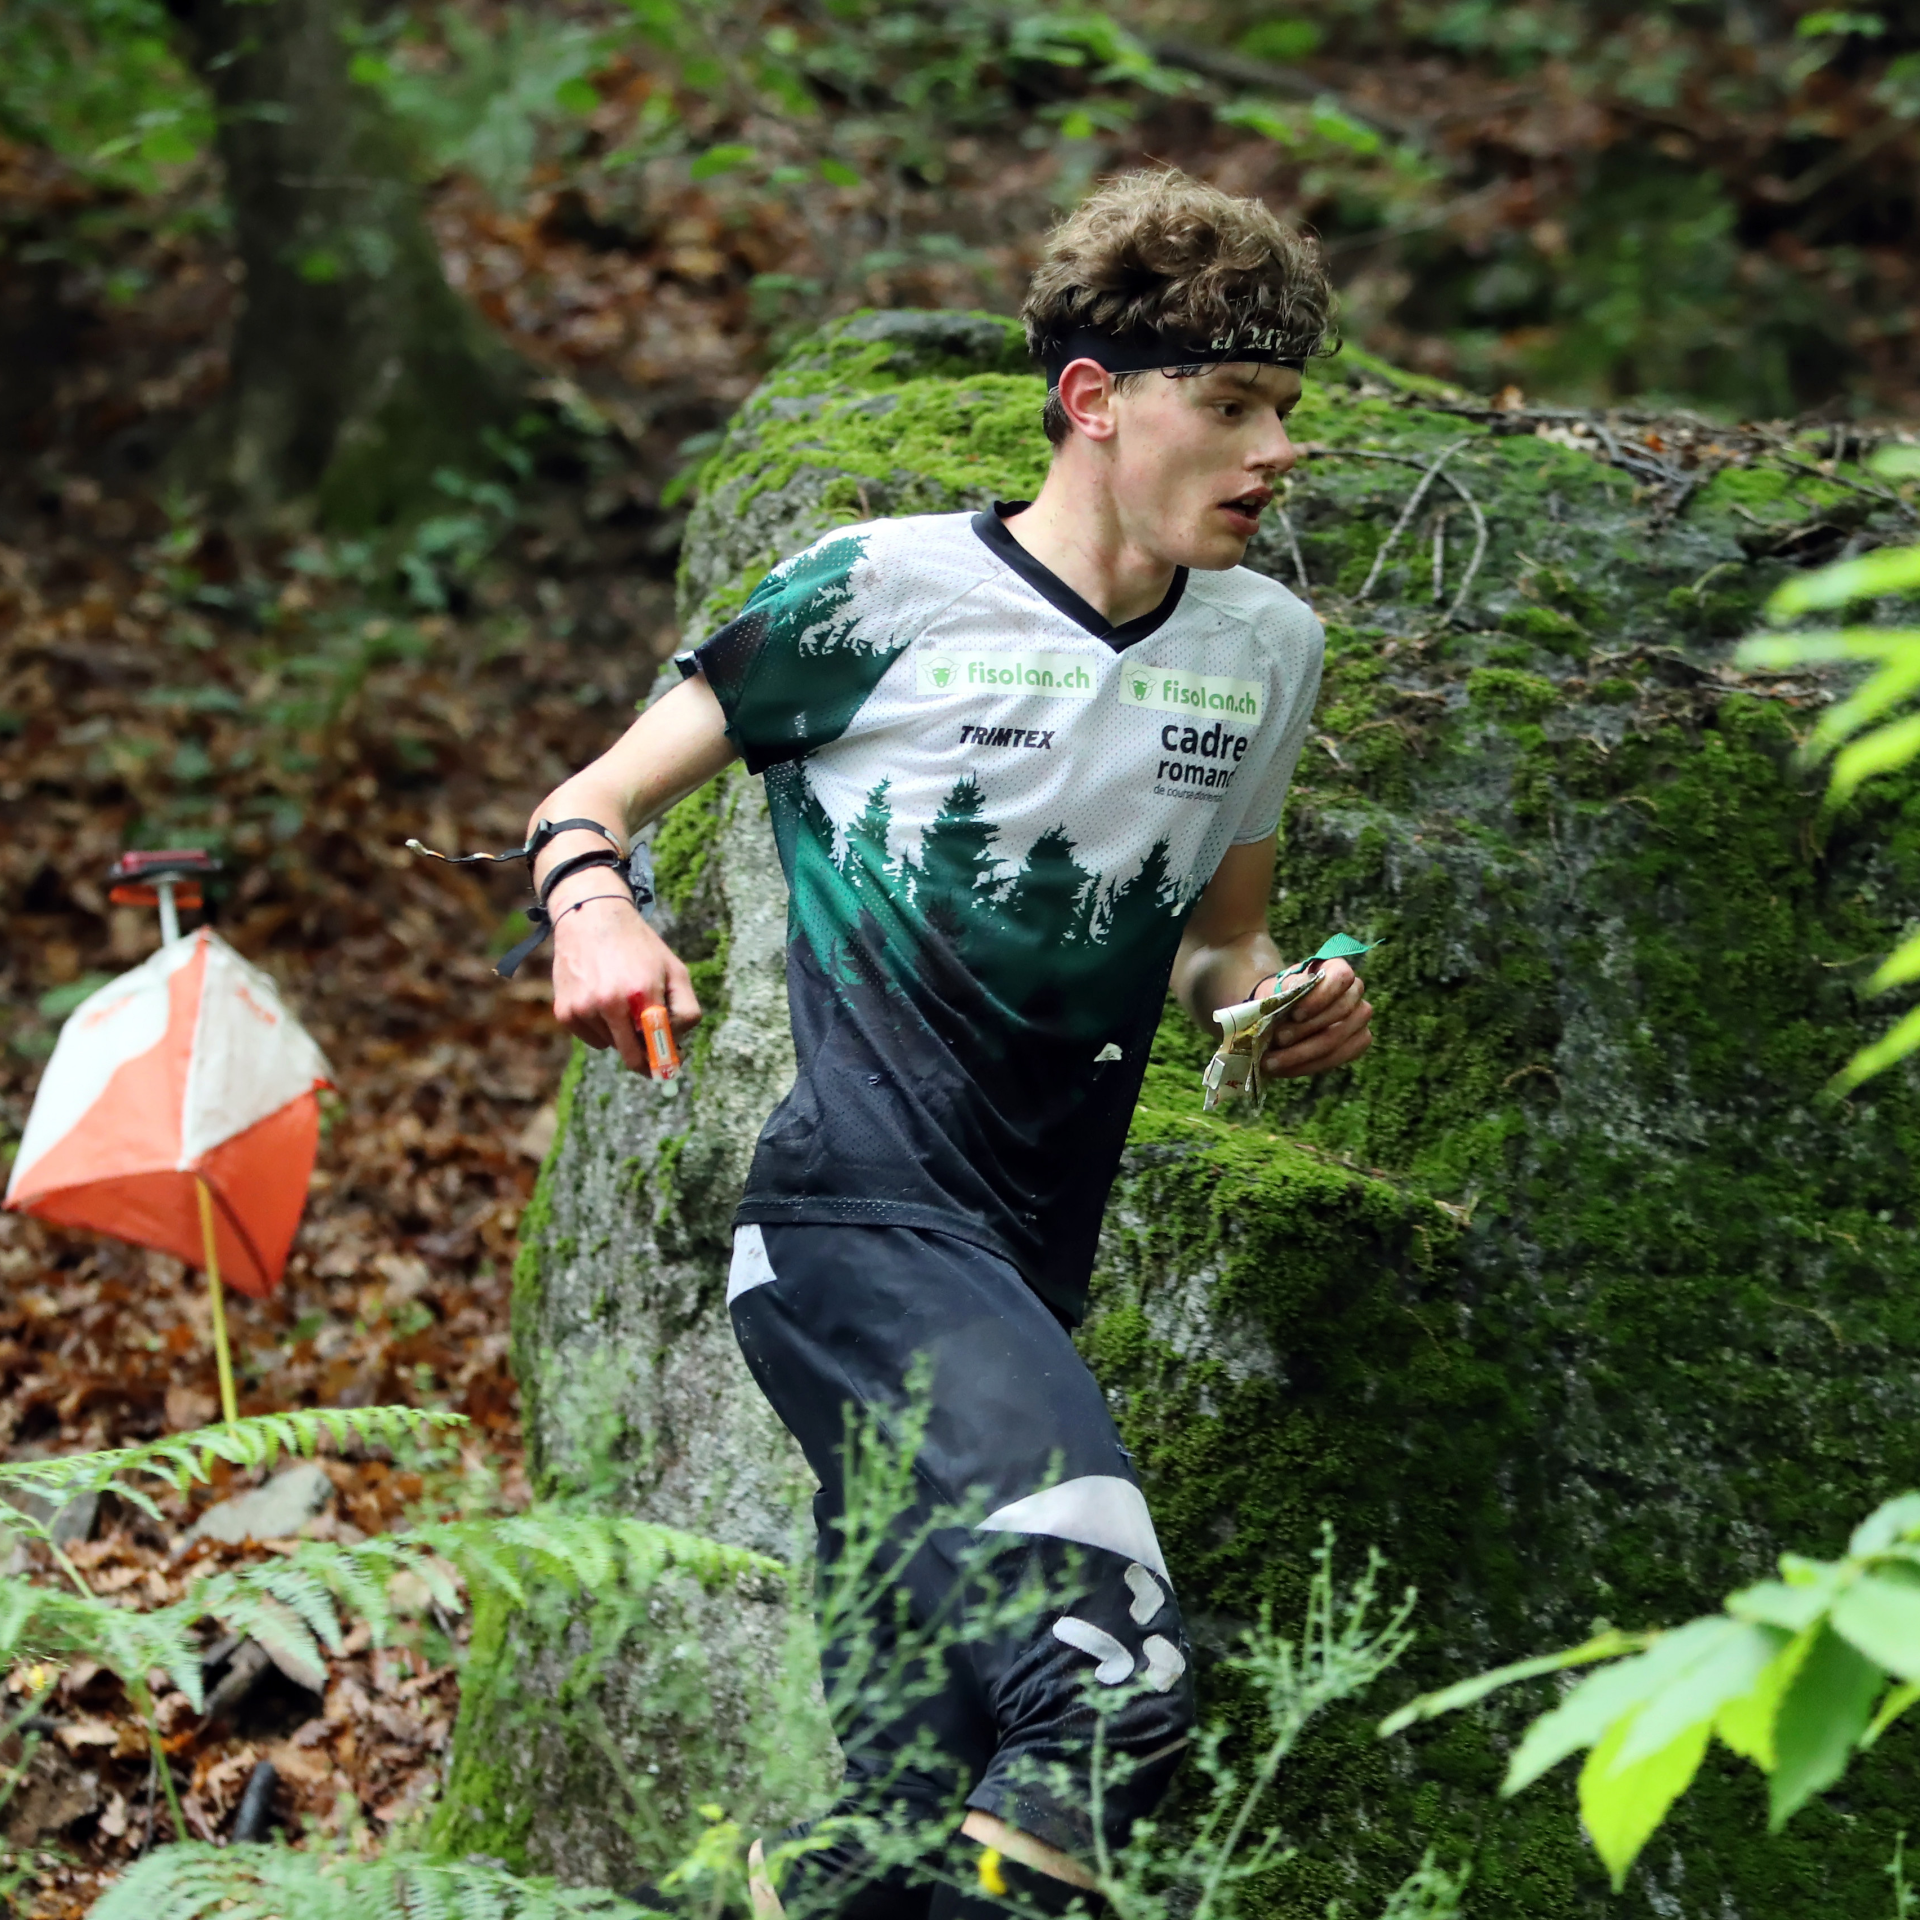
point(751, 1268)
point(1096, 1510)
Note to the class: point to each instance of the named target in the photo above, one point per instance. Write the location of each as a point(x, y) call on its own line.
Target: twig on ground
point(1293, 549)
point(1406, 516)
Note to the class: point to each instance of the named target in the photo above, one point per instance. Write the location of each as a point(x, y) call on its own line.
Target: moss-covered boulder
point(1574, 1297)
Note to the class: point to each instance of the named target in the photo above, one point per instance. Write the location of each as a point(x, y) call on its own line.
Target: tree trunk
point(1573, 1298)
point(356, 370)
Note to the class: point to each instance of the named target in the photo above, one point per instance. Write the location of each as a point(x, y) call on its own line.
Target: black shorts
point(832, 1320)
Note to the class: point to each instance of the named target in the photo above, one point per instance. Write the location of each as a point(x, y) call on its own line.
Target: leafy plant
point(291, 1606)
point(483, 104)
point(275, 1883)
point(1876, 728)
point(1796, 1675)
point(99, 83)
point(1208, 1873)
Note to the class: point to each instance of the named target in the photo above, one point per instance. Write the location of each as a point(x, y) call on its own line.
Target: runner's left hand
point(1331, 1027)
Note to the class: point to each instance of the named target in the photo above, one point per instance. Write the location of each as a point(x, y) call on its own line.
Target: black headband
point(1147, 352)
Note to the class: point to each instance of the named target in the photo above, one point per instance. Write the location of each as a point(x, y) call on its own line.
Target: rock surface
point(1574, 1298)
point(275, 1511)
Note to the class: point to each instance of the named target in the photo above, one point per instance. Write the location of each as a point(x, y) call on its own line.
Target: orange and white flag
point(189, 1067)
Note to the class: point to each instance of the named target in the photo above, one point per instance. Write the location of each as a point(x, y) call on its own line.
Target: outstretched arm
point(1226, 956)
point(604, 953)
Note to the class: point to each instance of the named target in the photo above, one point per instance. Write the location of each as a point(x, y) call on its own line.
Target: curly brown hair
point(1156, 251)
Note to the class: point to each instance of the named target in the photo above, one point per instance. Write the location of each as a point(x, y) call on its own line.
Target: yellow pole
point(221, 1356)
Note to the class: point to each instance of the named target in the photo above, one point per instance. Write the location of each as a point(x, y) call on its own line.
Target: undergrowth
point(1210, 1866)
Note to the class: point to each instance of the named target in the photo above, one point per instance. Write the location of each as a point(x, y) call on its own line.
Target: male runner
point(1025, 768)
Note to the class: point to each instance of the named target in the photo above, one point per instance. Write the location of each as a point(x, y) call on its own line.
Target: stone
point(1575, 1298)
point(73, 1521)
point(274, 1511)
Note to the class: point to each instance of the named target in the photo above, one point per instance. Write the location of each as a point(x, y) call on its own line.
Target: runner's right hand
point(603, 955)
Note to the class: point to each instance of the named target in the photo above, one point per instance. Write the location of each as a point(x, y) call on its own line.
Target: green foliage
point(275, 1883)
point(1796, 1675)
point(179, 1460)
point(1875, 729)
point(1217, 1865)
point(290, 1603)
point(99, 83)
point(477, 100)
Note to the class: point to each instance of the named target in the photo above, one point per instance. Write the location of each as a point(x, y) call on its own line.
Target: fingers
point(1337, 1043)
point(682, 1003)
point(604, 975)
point(623, 1028)
point(1336, 992)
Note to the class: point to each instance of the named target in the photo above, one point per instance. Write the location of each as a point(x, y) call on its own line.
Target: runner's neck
point(997, 528)
point(1073, 532)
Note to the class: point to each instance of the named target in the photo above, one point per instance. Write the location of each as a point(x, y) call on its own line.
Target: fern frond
point(589, 1550)
point(276, 1883)
point(182, 1458)
point(293, 1604)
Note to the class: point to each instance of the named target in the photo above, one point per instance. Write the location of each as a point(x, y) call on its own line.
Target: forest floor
point(160, 686)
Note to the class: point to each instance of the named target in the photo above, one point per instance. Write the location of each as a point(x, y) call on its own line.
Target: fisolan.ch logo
point(1170, 690)
point(1048, 676)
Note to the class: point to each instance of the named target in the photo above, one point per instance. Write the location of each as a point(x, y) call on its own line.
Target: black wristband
point(579, 863)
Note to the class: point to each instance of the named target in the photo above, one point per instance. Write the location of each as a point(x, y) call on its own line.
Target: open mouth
point(1244, 510)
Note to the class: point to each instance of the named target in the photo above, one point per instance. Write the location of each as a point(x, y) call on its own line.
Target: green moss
point(933, 439)
point(1512, 694)
point(683, 843)
point(535, 1226)
point(1547, 627)
point(480, 1810)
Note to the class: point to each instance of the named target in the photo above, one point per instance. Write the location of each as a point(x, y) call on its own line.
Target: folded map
point(1246, 1028)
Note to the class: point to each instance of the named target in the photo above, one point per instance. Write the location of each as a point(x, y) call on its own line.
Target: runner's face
point(1197, 460)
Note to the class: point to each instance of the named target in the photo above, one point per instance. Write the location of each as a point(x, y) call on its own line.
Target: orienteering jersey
point(995, 810)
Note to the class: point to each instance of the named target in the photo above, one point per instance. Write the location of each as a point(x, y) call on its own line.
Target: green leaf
point(1281, 41)
point(1621, 1804)
point(1880, 1615)
point(721, 159)
point(1876, 698)
point(1594, 1710)
point(1773, 1603)
point(838, 173)
point(1899, 1518)
point(1810, 26)
point(1610, 1645)
point(1773, 651)
point(1745, 1724)
point(1725, 1669)
point(1275, 123)
point(577, 95)
point(1343, 946)
point(1822, 1715)
point(57, 1002)
point(1884, 750)
point(1898, 1700)
point(1897, 462)
point(1890, 1047)
point(1887, 570)
point(1899, 967)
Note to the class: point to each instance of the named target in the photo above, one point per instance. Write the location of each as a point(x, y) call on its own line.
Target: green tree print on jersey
point(1044, 944)
point(797, 673)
